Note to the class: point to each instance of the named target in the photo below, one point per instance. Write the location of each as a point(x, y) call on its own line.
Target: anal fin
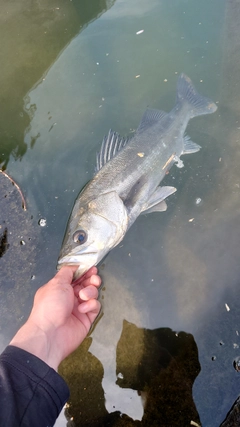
point(189, 146)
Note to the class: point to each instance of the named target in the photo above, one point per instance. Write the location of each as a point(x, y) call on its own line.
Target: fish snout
point(84, 261)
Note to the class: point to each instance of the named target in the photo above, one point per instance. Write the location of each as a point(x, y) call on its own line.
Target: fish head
point(92, 231)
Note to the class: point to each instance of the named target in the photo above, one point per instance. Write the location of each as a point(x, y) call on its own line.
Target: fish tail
point(198, 104)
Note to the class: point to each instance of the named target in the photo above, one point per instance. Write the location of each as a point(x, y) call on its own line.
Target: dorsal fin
point(111, 145)
point(150, 118)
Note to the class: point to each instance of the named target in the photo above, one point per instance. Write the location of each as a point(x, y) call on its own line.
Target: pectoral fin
point(159, 207)
point(156, 202)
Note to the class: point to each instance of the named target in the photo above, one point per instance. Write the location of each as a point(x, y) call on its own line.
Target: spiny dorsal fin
point(111, 145)
point(150, 118)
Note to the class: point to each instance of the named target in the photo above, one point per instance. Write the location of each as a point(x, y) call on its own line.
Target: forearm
point(37, 342)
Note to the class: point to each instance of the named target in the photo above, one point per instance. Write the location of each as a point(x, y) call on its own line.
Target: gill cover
point(111, 207)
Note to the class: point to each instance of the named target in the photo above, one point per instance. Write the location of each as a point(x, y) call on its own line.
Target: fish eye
point(80, 236)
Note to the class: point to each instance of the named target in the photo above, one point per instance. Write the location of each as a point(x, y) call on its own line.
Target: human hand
point(61, 317)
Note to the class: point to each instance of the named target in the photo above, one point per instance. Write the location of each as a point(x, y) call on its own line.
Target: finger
point(94, 280)
point(92, 306)
point(65, 274)
point(90, 292)
point(92, 271)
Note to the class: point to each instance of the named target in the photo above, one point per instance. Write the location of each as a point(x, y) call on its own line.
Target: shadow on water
point(160, 365)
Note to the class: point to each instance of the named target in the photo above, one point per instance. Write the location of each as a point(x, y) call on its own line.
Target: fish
point(127, 179)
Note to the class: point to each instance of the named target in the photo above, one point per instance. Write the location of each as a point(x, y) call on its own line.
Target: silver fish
point(127, 178)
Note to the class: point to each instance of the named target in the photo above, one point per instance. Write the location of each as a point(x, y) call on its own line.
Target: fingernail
point(94, 280)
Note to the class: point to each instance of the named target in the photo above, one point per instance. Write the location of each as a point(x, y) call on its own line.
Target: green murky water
point(70, 70)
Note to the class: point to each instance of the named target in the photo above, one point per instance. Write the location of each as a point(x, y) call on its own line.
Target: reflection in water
point(160, 364)
point(42, 31)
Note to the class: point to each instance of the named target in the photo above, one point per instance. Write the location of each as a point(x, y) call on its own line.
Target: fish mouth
point(73, 259)
point(84, 261)
point(61, 264)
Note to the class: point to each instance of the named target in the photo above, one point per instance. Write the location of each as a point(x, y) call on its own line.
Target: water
point(76, 71)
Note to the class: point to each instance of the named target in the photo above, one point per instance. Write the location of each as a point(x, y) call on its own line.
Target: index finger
point(93, 271)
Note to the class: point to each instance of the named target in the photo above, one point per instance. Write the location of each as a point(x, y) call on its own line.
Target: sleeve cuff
point(38, 371)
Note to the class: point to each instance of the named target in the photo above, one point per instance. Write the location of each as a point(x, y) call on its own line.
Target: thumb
point(65, 274)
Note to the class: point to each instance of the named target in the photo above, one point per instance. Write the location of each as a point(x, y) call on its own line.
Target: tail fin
point(198, 104)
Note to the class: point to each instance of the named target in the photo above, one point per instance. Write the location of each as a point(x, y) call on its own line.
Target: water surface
point(87, 71)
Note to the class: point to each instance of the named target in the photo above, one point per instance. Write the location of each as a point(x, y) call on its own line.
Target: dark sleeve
point(31, 393)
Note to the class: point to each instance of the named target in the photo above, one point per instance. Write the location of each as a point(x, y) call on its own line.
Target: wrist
point(33, 339)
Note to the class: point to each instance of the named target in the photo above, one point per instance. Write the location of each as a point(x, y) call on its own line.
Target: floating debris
point(24, 206)
point(139, 32)
point(191, 220)
point(227, 307)
point(42, 222)
point(140, 154)
point(120, 375)
point(198, 200)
